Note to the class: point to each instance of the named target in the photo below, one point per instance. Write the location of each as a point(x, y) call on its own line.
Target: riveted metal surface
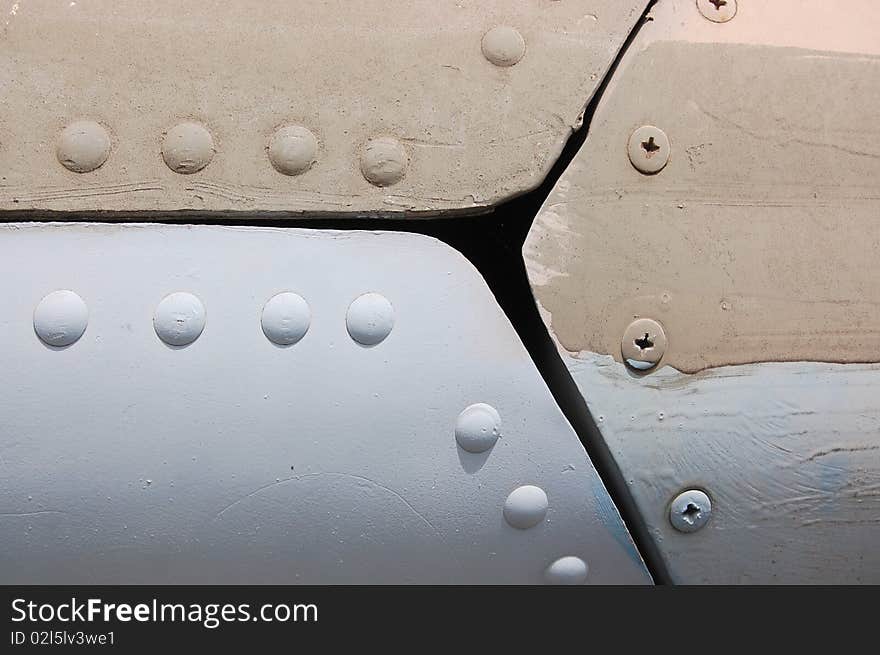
point(478, 428)
point(286, 318)
point(526, 507)
point(755, 244)
point(179, 319)
point(788, 451)
point(83, 146)
point(761, 228)
point(370, 319)
point(292, 150)
point(61, 318)
point(503, 46)
point(478, 96)
point(187, 148)
point(233, 460)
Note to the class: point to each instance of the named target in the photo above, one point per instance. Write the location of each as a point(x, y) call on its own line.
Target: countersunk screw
point(717, 11)
point(643, 344)
point(648, 149)
point(690, 510)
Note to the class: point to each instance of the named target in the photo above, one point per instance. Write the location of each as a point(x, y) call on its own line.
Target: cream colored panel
point(838, 25)
point(758, 240)
point(754, 248)
point(336, 108)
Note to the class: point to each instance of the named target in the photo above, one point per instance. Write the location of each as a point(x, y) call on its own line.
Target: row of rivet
point(188, 147)
point(84, 146)
point(61, 318)
point(477, 429)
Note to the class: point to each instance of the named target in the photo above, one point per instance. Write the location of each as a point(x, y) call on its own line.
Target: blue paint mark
point(610, 518)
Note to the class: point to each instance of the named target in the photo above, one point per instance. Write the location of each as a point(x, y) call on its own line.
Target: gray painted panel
point(788, 453)
point(235, 460)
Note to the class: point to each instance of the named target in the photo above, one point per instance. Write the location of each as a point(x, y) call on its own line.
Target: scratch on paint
point(330, 473)
point(841, 449)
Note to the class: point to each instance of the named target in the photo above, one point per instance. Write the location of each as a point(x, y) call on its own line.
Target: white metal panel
point(234, 460)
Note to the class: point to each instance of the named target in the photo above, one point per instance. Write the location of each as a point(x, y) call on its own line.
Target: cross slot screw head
point(643, 344)
point(690, 510)
point(649, 149)
point(717, 11)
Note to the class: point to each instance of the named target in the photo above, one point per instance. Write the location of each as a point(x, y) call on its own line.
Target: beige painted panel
point(758, 240)
point(472, 133)
point(836, 25)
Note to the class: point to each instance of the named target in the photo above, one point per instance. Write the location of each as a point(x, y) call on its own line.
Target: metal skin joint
point(449, 293)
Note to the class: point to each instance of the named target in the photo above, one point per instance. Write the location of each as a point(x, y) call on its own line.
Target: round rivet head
point(478, 428)
point(286, 318)
point(188, 148)
point(370, 319)
point(567, 571)
point(690, 510)
point(717, 11)
point(60, 318)
point(648, 149)
point(643, 344)
point(292, 150)
point(384, 161)
point(179, 319)
point(525, 507)
point(503, 46)
point(83, 146)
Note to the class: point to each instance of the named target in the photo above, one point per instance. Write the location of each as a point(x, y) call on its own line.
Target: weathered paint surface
point(334, 78)
point(788, 453)
point(236, 460)
point(757, 241)
point(754, 246)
